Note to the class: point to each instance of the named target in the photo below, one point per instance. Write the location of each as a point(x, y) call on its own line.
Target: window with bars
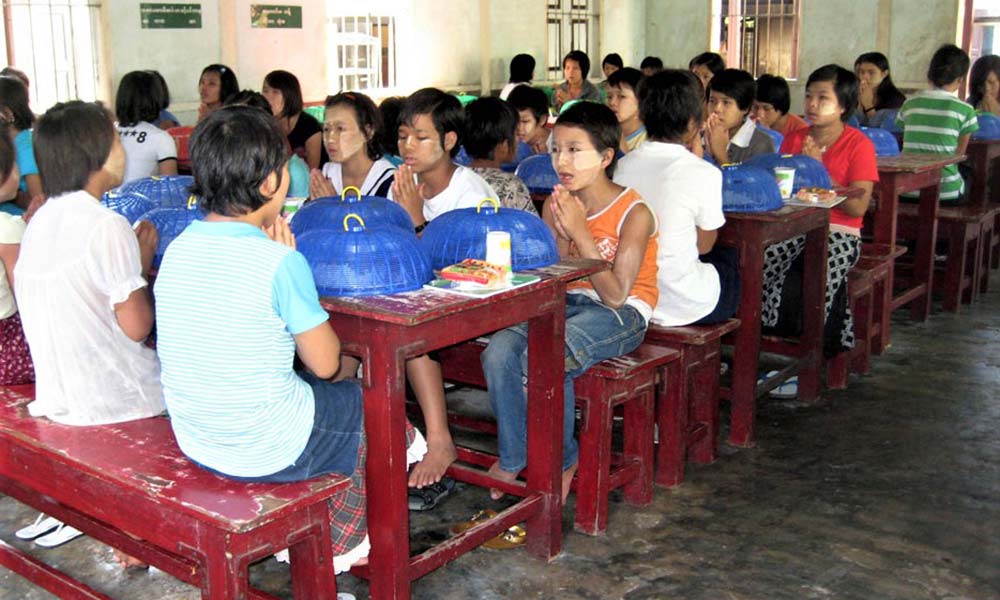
point(363, 53)
point(572, 25)
point(55, 42)
point(985, 33)
point(759, 36)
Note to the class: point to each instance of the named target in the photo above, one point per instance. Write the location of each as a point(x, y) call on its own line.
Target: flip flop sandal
point(480, 517)
point(429, 496)
point(42, 525)
point(788, 390)
point(64, 533)
point(512, 538)
point(346, 596)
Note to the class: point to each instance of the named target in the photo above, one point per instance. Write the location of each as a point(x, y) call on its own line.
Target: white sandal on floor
point(42, 525)
point(64, 533)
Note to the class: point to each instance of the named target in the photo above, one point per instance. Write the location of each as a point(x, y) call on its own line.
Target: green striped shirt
point(932, 123)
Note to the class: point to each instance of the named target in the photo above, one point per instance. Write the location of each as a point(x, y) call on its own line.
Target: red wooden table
point(751, 234)
point(911, 173)
point(384, 331)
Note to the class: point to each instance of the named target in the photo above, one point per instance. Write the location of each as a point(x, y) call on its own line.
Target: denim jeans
point(594, 332)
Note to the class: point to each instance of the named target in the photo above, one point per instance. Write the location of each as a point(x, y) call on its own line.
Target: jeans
point(594, 332)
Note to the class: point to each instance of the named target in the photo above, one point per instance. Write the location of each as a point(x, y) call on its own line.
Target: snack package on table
point(476, 271)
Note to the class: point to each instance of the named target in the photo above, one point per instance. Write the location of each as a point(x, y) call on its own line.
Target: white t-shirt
point(78, 259)
point(11, 232)
point(507, 89)
point(685, 192)
point(146, 146)
point(381, 171)
point(465, 190)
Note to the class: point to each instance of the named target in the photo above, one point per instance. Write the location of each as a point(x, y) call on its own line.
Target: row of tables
point(385, 331)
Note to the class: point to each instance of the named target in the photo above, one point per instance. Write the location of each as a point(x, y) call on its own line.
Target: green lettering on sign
point(170, 16)
point(275, 16)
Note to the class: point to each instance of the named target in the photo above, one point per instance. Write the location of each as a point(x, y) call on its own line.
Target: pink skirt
point(15, 359)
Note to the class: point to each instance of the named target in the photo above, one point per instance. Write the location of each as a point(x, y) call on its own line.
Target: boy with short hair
point(730, 135)
point(651, 65)
point(623, 100)
point(491, 140)
point(936, 121)
point(532, 106)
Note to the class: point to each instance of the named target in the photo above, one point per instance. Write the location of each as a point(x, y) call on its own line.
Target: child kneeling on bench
point(235, 302)
point(606, 315)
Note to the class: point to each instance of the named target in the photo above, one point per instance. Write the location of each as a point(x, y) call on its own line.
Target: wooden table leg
point(226, 569)
point(312, 559)
point(546, 351)
point(923, 266)
point(885, 233)
point(813, 302)
point(746, 346)
point(385, 476)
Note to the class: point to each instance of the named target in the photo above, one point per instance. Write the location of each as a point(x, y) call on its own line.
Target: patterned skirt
point(15, 359)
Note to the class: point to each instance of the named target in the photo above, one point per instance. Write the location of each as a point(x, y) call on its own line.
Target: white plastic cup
point(786, 180)
point(291, 206)
point(498, 249)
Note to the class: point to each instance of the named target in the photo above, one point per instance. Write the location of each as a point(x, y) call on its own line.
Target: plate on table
point(474, 290)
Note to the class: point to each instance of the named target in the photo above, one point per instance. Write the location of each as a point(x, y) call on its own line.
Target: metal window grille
point(55, 42)
point(364, 49)
point(759, 36)
point(572, 25)
point(985, 38)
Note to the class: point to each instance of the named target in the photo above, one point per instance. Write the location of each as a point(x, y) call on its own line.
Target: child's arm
point(963, 144)
point(319, 349)
point(612, 286)
point(34, 184)
point(706, 239)
point(319, 186)
point(562, 238)
point(409, 195)
point(8, 255)
point(167, 167)
point(135, 314)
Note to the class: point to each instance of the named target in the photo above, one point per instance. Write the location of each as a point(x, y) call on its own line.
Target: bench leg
point(986, 248)
point(954, 270)
point(226, 569)
point(638, 445)
point(312, 559)
point(836, 370)
point(593, 474)
point(672, 424)
point(861, 354)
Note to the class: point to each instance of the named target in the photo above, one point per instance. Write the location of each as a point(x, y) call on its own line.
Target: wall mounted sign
point(170, 16)
point(275, 16)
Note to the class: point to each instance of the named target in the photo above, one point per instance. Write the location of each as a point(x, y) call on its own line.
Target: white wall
point(677, 31)
point(516, 27)
point(623, 30)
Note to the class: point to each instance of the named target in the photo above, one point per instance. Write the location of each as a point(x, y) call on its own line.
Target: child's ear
point(450, 139)
point(270, 185)
point(607, 157)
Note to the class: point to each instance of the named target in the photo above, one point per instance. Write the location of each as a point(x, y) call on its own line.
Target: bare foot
point(499, 473)
point(567, 481)
point(434, 464)
point(128, 562)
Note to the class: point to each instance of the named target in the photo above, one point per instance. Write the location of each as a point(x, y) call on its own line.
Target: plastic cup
point(786, 179)
point(291, 206)
point(498, 249)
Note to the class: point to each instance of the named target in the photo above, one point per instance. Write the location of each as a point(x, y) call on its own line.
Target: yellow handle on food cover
point(343, 194)
point(496, 205)
point(354, 216)
point(192, 202)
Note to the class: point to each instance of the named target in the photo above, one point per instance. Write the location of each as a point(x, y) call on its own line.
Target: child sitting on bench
point(606, 315)
point(235, 303)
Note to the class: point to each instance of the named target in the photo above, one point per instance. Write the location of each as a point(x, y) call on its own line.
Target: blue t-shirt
point(298, 171)
point(228, 301)
point(25, 151)
point(166, 115)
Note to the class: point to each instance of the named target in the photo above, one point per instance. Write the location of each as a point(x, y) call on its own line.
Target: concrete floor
point(889, 489)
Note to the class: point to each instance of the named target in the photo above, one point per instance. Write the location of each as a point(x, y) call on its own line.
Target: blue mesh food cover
point(130, 205)
point(523, 152)
point(538, 174)
point(352, 260)
point(169, 223)
point(462, 157)
point(809, 172)
point(746, 188)
point(884, 141)
point(329, 213)
point(989, 127)
point(886, 119)
point(776, 136)
point(460, 234)
point(166, 191)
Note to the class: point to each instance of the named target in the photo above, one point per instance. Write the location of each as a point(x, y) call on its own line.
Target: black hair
point(249, 98)
point(845, 86)
point(982, 68)
point(948, 64)
point(525, 97)
point(7, 153)
point(614, 59)
point(668, 101)
point(390, 109)
point(581, 58)
point(228, 84)
point(291, 91)
point(522, 68)
point(14, 97)
point(138, 99)
point(626, 76)
point(71, 141)
point(774, 91)
point(601, 126)
point(233, 151)
point(164, 89)
point(713, 61)
point(651, 62)
point(444, 109)
point(367, 116)
point(16, 74)
point(738, 85)
point(488, 123)
point(887, 95)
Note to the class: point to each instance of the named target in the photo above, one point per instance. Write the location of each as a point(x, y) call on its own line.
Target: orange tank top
point(605, 227)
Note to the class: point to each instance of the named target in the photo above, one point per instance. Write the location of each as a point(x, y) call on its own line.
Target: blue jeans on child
point(594, 332)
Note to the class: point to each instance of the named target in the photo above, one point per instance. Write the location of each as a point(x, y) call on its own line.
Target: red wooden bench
point(879, 260)
point(856, 360)
point(629, 381)
point(697, 420)
point(182, 135)
point(129, 486)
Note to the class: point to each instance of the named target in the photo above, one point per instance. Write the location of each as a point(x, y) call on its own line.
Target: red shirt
point(793, 123)
point(851, 158)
